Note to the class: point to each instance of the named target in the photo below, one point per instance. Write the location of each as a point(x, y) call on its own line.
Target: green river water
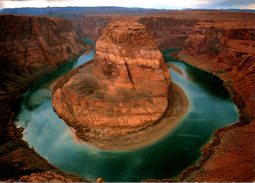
point(209, 109)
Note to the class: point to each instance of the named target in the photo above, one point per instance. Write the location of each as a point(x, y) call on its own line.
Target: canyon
point(30, 47)
point(124, 91)
point(221, 43)
point(218, 42)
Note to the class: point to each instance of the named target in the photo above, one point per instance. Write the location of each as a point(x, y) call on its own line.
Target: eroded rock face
point(29, 48)
point(125, 90)
point(169, 28)
point(92, 25)
point(227, 49)
point(169, 31)
point(33, 46)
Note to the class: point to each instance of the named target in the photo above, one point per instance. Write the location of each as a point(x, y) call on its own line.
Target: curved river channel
point(209, 109)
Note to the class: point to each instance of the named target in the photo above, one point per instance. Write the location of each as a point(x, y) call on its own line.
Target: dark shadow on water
point(166, 55)
point(209, 82)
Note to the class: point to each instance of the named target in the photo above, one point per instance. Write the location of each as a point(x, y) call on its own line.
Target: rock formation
point(227, 49)
point(221, 43)
point(29, 48)
point(169, 28)
point(33, 46)
point(167, 31)
point(125, 90)
point(92, 25)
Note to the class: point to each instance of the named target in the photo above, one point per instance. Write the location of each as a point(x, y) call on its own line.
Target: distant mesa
point(113, 100)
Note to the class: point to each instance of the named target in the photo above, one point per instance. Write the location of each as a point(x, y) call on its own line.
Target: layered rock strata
point(125, 89)
point(227, 49)
point(167, 31)
point(170, 29)
point(29, 48)
point(33, 46)
point(91, 26)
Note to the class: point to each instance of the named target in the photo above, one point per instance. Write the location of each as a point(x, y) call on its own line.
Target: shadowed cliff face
point(29, 48)
point(227, 49)
point(124, 90)
point(169, 28)
point(91, 25)
point(167, 31)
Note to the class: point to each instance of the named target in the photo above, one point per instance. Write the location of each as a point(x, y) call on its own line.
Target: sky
point(159, 4)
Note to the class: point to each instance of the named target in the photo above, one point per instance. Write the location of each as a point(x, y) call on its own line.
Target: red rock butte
point(124, 90)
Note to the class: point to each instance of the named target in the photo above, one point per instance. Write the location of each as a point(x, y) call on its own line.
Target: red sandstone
point(29, 48)
point(125, 90)
point(227, 49)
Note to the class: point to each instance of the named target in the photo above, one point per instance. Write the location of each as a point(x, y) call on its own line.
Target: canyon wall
point(29, 48)
point(169, 28)
point(167, 31)
point(227, 49)
point(33, 46)
point(91, 26)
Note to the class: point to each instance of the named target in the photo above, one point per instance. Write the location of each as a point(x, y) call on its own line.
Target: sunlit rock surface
point(124, 90)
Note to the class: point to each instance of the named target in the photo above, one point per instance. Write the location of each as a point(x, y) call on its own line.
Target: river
point(210, 108)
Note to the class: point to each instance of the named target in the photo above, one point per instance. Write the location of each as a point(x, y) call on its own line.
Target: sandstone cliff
point(92, 25)
point(227, 49)
point(125, 90)
point(169, 28)
point(29, 48)
point(169, 32)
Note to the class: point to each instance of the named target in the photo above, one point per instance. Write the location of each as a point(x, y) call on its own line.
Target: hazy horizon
point(154, 4)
